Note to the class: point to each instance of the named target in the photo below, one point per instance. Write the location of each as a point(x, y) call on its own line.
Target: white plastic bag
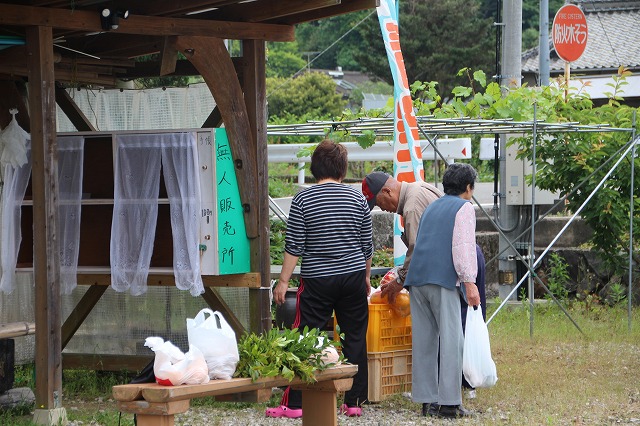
point(172, 367)
point(477, 365)
point(217, 341)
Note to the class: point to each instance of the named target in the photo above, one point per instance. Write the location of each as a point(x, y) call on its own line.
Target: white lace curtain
point(70, 166)
point(15, 185)
point(70, 169)
point(137, 181)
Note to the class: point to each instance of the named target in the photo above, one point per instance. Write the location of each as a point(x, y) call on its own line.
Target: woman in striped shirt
point(330, 228)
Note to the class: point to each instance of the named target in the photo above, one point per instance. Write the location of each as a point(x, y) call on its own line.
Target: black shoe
point(454, 412)
point(430, 409)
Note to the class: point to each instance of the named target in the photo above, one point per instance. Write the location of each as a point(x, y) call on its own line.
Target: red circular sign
point(569, 32)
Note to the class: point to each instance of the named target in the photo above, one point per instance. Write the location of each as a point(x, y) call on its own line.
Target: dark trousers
point(483, 299)
point(346, 295)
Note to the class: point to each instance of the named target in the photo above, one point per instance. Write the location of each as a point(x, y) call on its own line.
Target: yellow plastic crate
point(389, 373)
point(386, 331)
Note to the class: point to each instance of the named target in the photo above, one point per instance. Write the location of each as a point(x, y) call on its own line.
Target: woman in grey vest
point(443, 266)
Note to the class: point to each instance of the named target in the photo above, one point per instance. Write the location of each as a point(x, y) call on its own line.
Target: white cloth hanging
point(15, 185)
point(13, 143)
point(70, 171)
point(135, 211)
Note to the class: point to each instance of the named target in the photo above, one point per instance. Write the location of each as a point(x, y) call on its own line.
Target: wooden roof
point(87, 53)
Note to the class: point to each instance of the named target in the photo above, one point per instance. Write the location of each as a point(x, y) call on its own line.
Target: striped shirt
point(330, 227)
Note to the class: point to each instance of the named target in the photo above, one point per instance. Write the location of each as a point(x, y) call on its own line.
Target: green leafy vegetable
point(286, 353)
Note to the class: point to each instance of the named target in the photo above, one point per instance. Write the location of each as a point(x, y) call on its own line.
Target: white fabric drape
point(182, 179)
point(15, 185)
point(70, 167)
point(135, 211)
point(70, 171)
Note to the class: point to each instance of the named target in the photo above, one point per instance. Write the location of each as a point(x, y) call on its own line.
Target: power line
point(308, 65)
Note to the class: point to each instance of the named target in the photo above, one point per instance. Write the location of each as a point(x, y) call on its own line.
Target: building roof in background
point(614, 39)
point(345, 80)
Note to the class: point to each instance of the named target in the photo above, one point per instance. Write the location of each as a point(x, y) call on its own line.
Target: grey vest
point(432, 261)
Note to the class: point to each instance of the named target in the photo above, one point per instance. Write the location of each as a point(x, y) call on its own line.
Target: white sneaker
point(470, 393)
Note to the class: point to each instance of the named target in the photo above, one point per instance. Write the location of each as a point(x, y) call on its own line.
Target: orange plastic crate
point(387, 331)
point(389, 374)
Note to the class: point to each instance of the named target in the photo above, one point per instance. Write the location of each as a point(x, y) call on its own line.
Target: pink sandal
point(351, 411)
point(284, 411)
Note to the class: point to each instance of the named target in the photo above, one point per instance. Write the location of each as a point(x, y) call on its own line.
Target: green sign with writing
point(233, 244)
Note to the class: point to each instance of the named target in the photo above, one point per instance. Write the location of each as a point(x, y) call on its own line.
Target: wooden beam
point(257, 396)
point(152, 69)
point(72, 111)
point(80, 312)
point(346, 6)
point(168, 56)
point(211, 58)
point(89, 21)
point(262, 10)
point(173, 7)
point(63, 75)
point(214, 119)
point(255, 94)
point(216, 303)
point(46, 258)
point(248, 280)
point(183, 67)
point(16, 329)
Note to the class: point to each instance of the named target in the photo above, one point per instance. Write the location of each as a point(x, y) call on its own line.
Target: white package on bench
point(172, 367)
point(217, 341)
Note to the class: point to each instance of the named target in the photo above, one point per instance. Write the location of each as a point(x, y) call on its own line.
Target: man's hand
point(473, 296)
point(368, 281)
point(390, 291)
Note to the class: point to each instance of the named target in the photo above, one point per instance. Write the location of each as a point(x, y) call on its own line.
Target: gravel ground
point(383, 414)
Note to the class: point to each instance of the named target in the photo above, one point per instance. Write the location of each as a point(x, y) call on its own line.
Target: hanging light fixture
point(110, 19)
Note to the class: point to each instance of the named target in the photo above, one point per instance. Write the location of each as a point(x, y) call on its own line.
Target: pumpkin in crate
point(402, 307)
point(377, 299)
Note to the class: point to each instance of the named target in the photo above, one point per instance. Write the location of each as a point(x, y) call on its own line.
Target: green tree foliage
point(317, 37)
point(309, 96)
point(531, 20)
point(564, 161)
point(283, 60)
point(437, 36)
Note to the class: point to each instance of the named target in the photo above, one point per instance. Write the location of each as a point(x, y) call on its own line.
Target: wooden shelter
point(47, 45)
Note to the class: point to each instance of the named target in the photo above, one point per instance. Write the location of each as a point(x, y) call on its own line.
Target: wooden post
point(48, 358)
point(212, 60)
point(254, 88)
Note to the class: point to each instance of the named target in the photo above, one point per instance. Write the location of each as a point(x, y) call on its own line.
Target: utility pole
point(308, 55)
point(543, 49)
point(511, 77)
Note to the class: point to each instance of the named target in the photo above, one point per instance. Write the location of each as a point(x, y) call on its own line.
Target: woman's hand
point(279, 291)
point(368, 281)
point(473, 296)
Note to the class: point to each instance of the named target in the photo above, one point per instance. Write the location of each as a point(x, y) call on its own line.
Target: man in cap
point(409, 200)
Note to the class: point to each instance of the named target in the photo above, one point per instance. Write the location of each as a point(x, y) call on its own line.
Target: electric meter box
point(517, 191)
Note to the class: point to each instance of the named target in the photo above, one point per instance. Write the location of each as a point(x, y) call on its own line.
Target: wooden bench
point(156, 405)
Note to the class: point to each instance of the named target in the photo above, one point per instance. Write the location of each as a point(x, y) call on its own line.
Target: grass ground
point(557, 376)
